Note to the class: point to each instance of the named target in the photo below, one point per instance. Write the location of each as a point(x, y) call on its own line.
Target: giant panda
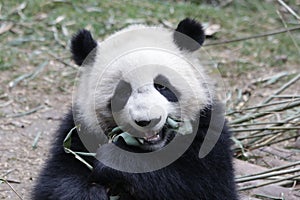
point(135, 84)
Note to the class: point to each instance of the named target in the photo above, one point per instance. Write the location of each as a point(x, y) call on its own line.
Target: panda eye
point(165, 88)
point(160, 87)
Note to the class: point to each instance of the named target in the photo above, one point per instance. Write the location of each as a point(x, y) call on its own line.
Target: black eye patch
point(121, 96)
point(162, 85)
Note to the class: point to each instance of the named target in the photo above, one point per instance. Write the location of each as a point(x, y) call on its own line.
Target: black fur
point(64, 177)
point(121, 96)
point(82, 45)
point(163, 85)
point(194, 35)
point(191, 178)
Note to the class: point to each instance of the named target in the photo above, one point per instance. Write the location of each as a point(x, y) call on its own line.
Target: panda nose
point(143, 123)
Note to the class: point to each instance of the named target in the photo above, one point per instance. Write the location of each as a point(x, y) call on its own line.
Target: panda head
point(138, 77)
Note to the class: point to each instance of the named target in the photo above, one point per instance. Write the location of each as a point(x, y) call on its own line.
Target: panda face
point(139, 77)
point(145, 106)
point(144, 114)
point(143, 111)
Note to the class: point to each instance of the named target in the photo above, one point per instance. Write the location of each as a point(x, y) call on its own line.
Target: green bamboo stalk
point(270, 104)
point(258, 136)
point(268, 183)
point(267, 175)
point(267, 112)
point(272, 170)
point(285, 121)
point(259, 123)
point(266, 128)
point(291, 96)
point(274, 142)
point(282, 88)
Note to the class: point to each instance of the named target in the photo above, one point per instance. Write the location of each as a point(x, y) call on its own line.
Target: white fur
point(137, 55)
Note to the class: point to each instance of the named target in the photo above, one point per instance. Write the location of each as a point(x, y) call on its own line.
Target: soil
point(20, 163)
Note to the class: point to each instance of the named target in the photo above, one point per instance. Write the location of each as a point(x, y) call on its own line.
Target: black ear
point(189, 35)
point(82, 44)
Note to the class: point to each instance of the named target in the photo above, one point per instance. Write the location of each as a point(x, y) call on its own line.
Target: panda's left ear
point(189, 35)
point(82, 45)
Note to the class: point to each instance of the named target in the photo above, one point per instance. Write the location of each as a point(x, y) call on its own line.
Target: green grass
point(32, 34)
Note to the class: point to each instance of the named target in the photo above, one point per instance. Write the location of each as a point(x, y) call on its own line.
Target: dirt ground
point(20, 163)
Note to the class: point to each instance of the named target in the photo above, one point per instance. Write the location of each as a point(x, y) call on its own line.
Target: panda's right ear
point(82, 44)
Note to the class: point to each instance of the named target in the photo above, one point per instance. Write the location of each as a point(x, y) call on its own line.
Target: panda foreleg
point(74, 188)
point(56, 182)
point(65, 178)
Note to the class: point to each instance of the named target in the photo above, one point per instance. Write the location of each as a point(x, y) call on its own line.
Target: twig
point(268, 183)
point(265, 141)
point(166, 25)
point(263, 105)
point(290, 34)
point(26, 113)
point(281, 122)
point(253, 36)
point(268, 144)
point(270, 197)
point(259, 135)
point(12, 181)
point(11, 187)
point(267, 112)
point(13, 83)
point(8, 172)
point(267, 175)
point(56, 38)
point(266, 128)
point(38, 70)
point(67, 147)
point(36, 139)
point(28, 76)
point(62, 61)
point(282, 88)
point(239, 144)
point(287, 96)
point(261, 123)
point(265, 79)
point(272, 170)
point(289, 9)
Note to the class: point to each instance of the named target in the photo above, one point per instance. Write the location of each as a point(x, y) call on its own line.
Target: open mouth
point(157, 140)
point(154, 138)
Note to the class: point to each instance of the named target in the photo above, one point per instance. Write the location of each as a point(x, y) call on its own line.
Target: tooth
point(153, 137)
point(141, 140)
